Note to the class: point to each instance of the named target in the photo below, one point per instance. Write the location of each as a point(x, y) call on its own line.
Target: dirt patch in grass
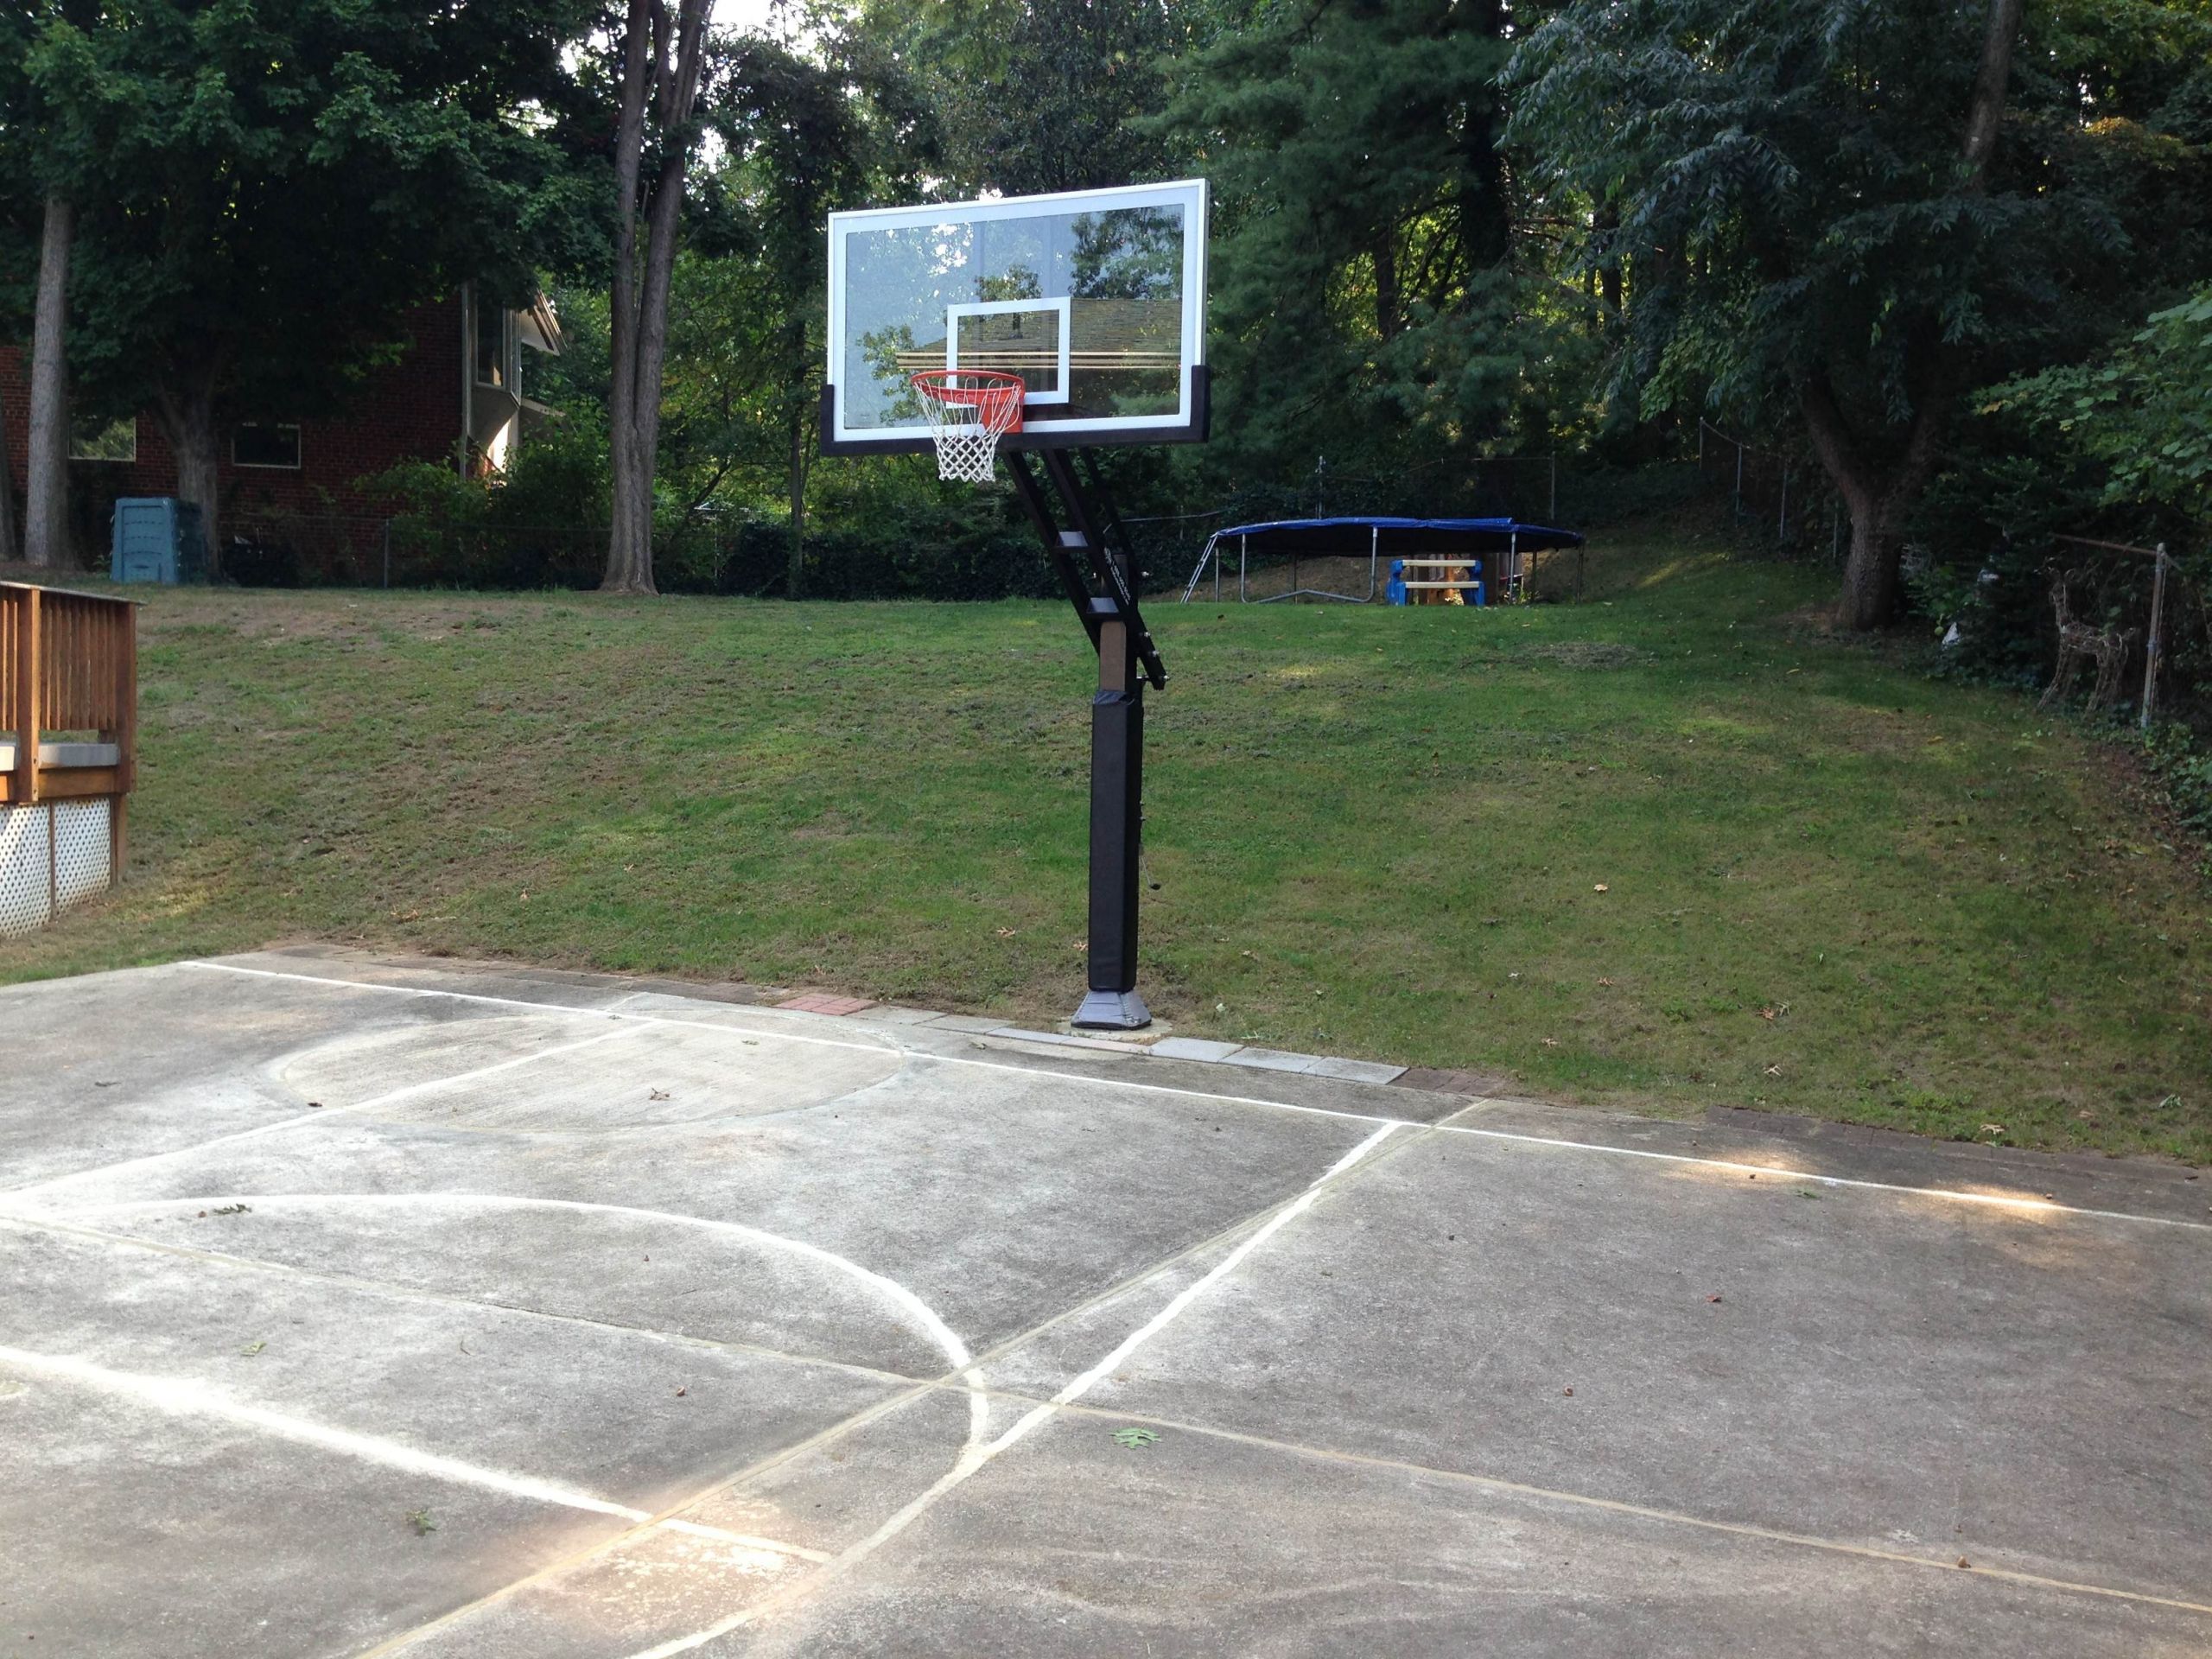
point(1589, 653)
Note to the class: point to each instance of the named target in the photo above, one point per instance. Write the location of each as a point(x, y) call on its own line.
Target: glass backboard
point(1096, 298)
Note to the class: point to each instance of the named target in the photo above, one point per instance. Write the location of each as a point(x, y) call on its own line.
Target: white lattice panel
point(80, 851)
point(26, 876)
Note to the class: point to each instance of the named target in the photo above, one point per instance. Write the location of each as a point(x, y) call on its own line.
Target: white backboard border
point(1188, 423)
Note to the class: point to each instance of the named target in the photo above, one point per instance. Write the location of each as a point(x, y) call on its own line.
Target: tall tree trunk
point(189, 427)
point(1605, 230)
point(1877, 494)
point(1386, 308)
point(1985, 113)
point(638, 298)
point(45, 506)
point(795, 570)
point(10, 544)
point(1485, 216)
point(1870, 570)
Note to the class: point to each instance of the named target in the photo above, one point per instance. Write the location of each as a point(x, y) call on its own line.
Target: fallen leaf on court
point(252, 1348)
point(656, 1094)
point(314, 1105)
point(680, 1392)
point(104, 1083)
point(1713, 1298)
point(1567, 1390)
point(1964, 1563)
point(420, 1520)
point(1135, 1437)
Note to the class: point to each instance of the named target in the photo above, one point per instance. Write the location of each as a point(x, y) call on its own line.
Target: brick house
point(455, 394)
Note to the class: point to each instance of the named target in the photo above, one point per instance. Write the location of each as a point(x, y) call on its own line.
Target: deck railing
point(68, 741)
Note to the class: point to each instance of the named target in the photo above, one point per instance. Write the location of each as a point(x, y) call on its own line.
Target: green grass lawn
point(1670, 847)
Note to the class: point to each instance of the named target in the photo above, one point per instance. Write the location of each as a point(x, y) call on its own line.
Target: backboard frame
point(1189, 422)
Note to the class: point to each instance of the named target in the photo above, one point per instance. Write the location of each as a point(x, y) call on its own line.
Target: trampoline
point(1417, 540)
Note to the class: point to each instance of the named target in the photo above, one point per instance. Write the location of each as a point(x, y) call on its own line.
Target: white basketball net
point(964, 453)
point(968, 415)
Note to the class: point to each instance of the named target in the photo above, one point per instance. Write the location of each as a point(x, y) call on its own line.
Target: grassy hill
point(1670, 847)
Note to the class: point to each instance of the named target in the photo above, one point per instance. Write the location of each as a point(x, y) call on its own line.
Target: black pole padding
point(1116, 830)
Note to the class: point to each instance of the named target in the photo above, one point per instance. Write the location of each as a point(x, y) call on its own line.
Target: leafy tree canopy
point(266, 189)
point(1030, 96)
point(2144, 414)
point(1366, 301)
point(1831, 208)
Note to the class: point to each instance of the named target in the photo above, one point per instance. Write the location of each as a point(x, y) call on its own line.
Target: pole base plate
point(1112, 1011)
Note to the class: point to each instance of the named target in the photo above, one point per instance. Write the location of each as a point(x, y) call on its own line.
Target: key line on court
point(978, 1459)
point(187, 1397)
point(830, 1434)
point(1618, 1506)
point(1991, 1200)
point(919, 1312)
point(62, 1224)
point(320, 1114)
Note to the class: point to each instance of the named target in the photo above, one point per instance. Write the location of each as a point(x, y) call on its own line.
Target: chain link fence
point(1774, 501)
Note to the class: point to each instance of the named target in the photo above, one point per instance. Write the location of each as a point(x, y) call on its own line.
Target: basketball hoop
point(969, 411)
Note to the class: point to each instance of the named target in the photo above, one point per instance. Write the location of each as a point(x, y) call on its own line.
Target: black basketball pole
point(1127, 659)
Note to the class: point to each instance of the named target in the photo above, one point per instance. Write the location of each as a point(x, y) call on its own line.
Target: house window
point(265, 446)
point(114, 441)
point(491, 329)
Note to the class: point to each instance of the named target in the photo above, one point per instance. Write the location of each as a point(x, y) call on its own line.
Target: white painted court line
point(1996, 1200)
point(917, 1312)
point(183, 1397)
point(321, 1115)
point(978, 1457)
point(776, 1030)
point(56, 1223)
point(1641, 1511)
point(1991, 1200)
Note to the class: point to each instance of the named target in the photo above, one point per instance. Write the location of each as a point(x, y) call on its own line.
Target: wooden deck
point(68, 699)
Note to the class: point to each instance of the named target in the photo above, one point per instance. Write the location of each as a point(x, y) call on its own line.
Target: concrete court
point(358, 1307)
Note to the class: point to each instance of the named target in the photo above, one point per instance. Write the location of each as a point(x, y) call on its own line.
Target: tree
point(263, 191)
point(1827, 208)
point(2144, 414)
point(1030, 96)
point(18, 213)
point(1366, 302)
point(802, 135)
point(660, 59)
point(46, 540)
